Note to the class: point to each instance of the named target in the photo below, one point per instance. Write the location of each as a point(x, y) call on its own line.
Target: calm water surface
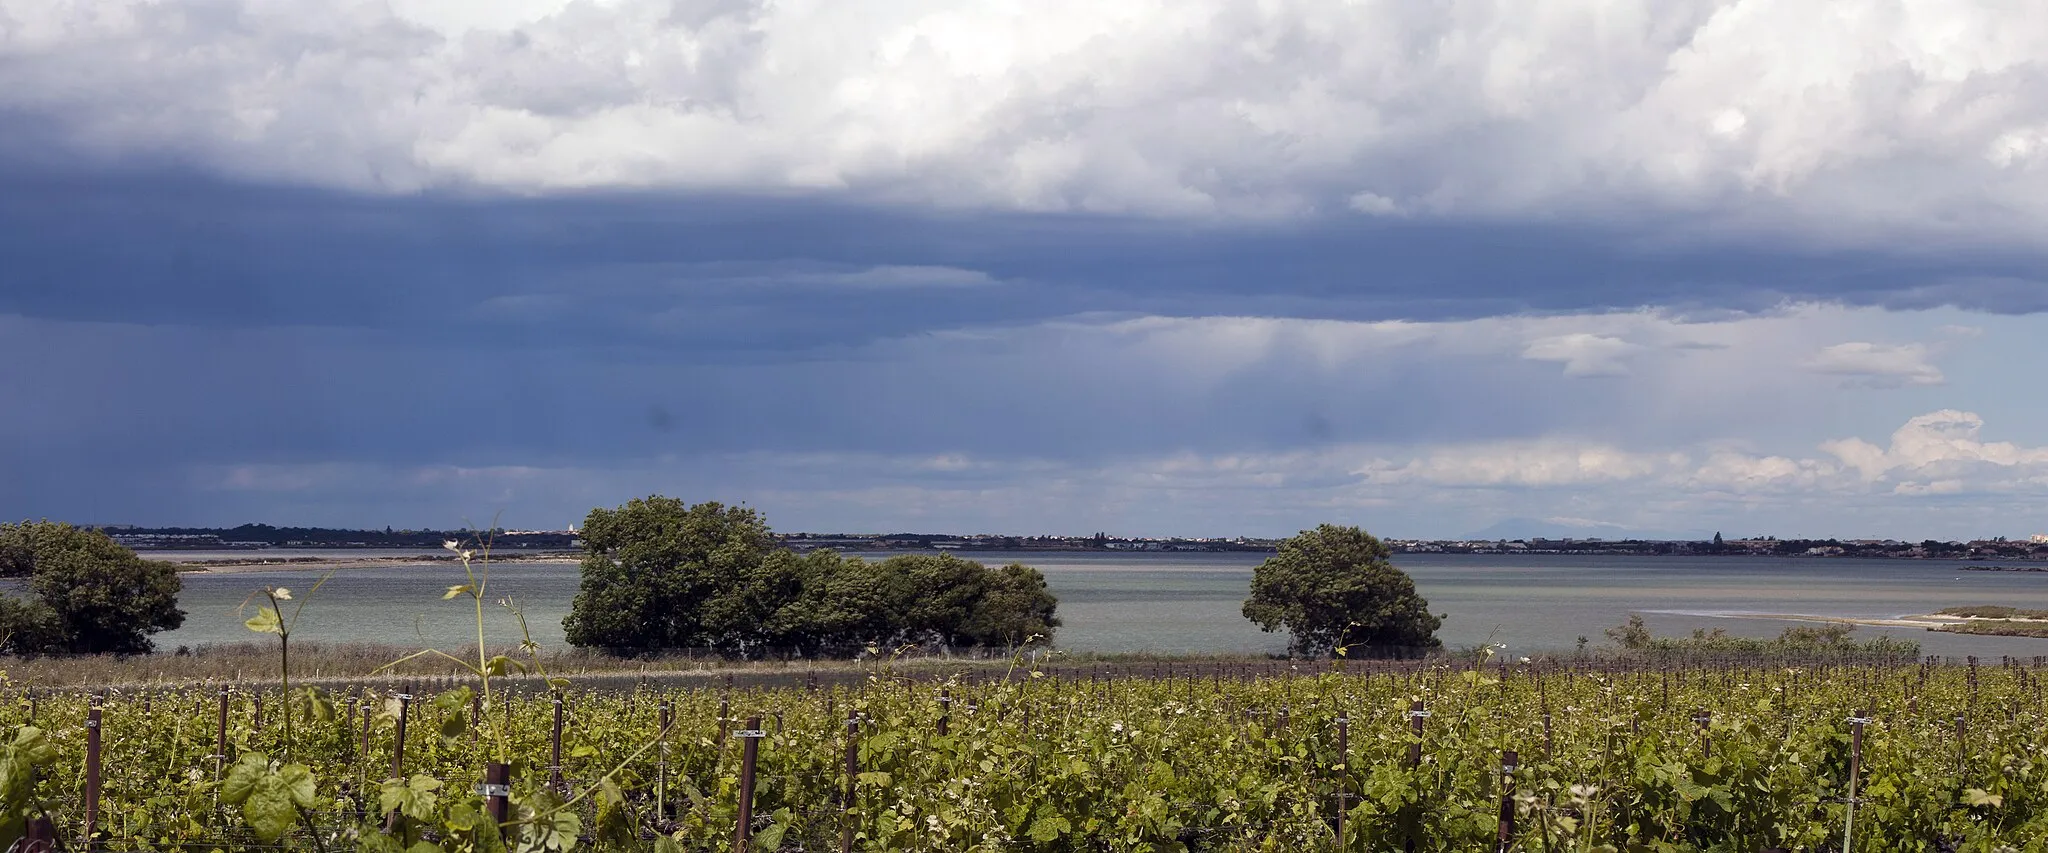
point(1190, 602)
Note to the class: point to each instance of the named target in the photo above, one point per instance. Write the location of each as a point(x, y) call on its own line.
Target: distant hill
point(1579, 528)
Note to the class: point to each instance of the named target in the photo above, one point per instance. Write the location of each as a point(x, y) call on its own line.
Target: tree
point(650, 566)
point(89, 594)
point(658, 574)
point(956, 602)
point(1334, 587)
point(1014, 608)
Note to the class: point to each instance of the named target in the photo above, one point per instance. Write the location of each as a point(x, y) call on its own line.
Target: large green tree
point(658, 574)
point(88, 594)
point(1335, 587)
point(943, 598)
point(651, 566)
point(1015, 607)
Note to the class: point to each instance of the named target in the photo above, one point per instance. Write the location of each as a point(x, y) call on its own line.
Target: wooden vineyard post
point(1343, 776)
point(497, 791)
point(749, 753)
point(363, 762)
point(555, 750)
point(398, 740)
point(93, 740)
point(668, 718)
point(398, 751)
point(1962, 750)
point(852, 774)
point(40, 836)
point(1856, 724)
point(945, 708)
point(1416, 714)
point(220, 743)
point(256, 711)
point(1704, 719)
point(1505, 835)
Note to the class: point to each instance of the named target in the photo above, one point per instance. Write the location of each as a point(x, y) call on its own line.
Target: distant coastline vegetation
point(1830, 642)
point(256, 537)
point(1996, 620)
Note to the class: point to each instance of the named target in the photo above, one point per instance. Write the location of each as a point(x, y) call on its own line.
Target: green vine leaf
point(264, 622)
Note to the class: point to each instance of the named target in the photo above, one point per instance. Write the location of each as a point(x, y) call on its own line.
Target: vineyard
point(1436, 757)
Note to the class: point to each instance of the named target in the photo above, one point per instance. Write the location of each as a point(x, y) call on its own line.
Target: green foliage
point(1831, 641)
point(1998, 628)
point(29, 752)
point(90, 594)
point(1334, 587)
point(1992, 611)
point(270, 794)
point(28, 626)
point(1610, 760)
point(659, 574)
point(650, 567)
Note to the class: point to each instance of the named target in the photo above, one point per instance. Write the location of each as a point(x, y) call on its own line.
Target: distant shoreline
point(1944, 622)
point(239, 565)
point(258, 561)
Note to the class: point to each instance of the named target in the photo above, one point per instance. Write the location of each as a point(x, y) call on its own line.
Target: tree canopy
point(660, 574)
point(1336, 587)
point(88, 594)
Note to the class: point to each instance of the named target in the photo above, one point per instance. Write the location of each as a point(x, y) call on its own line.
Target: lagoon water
point(1189, 602)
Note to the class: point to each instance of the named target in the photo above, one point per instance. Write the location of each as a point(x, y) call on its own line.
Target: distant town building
point(2039, 539)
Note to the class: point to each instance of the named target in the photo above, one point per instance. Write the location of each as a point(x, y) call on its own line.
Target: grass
point(1998, 628)
point(257, 662)
point(1996, 620)
point(1992, 611)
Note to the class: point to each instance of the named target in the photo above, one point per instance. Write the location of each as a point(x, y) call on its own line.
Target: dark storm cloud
point(721, 274)
point(237, 323)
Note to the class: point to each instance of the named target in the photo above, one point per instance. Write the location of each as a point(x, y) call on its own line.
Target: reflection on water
point(1190, 602)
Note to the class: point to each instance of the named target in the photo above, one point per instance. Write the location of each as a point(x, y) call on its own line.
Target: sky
point(1188, 268)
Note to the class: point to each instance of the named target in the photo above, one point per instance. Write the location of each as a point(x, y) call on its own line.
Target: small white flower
point(451, 545)
point(1117, 727)
point(281, 594)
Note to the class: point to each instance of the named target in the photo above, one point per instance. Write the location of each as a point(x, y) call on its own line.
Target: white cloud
point(1933, 447)
point(1872, 365)
point(1582, 354)
point(1733, 472)
point(1375, 204)
point(1521, 464)
point(1844, 116)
